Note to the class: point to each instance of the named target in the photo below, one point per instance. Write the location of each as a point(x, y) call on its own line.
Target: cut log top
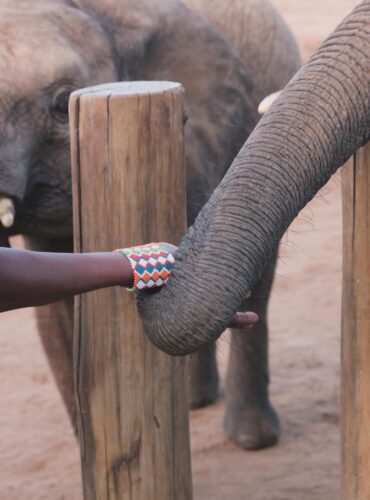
point(129, 88)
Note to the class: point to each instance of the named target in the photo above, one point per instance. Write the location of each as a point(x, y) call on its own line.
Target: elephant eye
point(60, 105)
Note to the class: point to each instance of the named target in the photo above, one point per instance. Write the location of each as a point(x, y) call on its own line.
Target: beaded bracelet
point(151, 265)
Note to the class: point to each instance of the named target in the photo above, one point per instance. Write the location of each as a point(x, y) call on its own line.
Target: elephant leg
point(55, 327)
point(203, 380)
point(250, 420)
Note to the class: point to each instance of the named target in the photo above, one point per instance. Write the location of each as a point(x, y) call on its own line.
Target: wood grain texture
point(129, 188)
point(355, 415)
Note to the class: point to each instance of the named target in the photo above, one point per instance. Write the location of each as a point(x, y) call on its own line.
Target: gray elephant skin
point(321, 118)
point(229, 56)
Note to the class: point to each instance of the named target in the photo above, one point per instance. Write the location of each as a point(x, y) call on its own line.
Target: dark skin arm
point(30, 279)
point(33, 278)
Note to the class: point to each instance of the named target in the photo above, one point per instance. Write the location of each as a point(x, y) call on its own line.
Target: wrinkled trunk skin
point(320, 120)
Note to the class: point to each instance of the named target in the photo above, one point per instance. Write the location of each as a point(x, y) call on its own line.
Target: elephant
point(319, 120)
point(228, 56)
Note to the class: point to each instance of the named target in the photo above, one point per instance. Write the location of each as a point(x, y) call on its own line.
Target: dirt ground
point(39, 456)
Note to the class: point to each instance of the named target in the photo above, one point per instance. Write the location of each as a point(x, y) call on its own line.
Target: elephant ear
point(166, 40)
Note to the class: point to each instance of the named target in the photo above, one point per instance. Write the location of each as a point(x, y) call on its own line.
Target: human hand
point(244, 320)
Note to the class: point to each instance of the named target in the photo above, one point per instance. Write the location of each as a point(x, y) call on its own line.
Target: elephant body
point(228, 56)
point(259, 36)
point(321, 118)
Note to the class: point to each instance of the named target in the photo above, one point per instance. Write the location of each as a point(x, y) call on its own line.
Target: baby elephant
point(228, 56)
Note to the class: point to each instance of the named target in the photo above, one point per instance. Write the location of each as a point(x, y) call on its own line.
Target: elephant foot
point(252, 428)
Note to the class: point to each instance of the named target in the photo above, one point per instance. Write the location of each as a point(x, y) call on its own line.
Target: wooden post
point(355, 415)
point(129, 188)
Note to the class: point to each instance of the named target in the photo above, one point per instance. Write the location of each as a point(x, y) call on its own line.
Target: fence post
point(355, 414)
point(129, 188)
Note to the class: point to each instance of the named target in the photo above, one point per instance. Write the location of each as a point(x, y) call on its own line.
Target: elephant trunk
point(318, 122)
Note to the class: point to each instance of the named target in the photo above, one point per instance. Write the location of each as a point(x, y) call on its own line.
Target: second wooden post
point(355, 414)
point(129, 188)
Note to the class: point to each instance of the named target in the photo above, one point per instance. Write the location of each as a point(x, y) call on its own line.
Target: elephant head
point(49, 48)
point(320, 119)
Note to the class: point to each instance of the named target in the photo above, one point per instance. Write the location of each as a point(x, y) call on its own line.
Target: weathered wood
point(129, 188)
point(355, 412)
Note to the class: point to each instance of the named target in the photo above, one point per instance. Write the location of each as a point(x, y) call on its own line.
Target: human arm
point(30, 279)
point(33, 278)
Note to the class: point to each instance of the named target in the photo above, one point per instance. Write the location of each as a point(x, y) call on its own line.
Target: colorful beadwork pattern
point(151, 264)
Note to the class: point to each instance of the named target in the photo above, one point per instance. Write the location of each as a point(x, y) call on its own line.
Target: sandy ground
point(39, 456)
